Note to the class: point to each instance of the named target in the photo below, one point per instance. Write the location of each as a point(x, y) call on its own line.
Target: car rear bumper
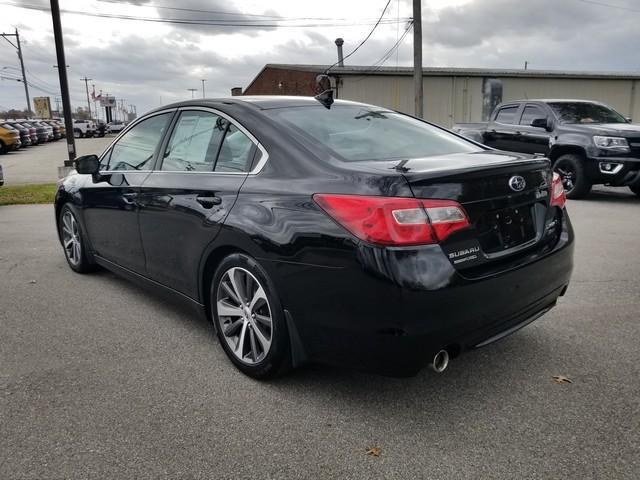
point(368, 317)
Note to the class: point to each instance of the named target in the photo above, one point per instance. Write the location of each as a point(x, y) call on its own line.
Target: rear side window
point(507, 115)
point(195, 142)
point(236, 152)
point(531, 112)
point(135, 150)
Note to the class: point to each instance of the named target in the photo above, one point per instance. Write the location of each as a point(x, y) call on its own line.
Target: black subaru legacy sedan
point(351, 235)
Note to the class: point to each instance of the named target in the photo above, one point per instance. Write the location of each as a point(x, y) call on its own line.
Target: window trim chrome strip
point(256, 170)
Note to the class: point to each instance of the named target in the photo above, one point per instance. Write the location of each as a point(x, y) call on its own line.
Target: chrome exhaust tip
point(440, 361)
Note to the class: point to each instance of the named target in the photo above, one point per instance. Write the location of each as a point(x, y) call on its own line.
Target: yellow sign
point(42, 107)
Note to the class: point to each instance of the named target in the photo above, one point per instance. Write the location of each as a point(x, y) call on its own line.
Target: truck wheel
point(570, 167)
point(77, 133)
point(635, 190)
point(3, 148)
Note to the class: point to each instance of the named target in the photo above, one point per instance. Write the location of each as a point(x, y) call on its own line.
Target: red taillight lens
point(558, 196)
point(394, 221)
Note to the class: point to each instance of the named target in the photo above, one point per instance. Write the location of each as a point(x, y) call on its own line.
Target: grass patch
point(20, 194)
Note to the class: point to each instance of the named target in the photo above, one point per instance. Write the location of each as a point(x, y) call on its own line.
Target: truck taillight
point(558, 195)
point(394, 221)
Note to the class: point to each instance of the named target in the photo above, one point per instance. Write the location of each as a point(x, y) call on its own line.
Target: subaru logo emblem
point(517, 183)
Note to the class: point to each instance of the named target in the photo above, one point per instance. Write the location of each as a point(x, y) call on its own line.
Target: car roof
point(260, 102)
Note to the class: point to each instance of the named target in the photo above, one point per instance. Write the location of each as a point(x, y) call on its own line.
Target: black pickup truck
point(588, 142)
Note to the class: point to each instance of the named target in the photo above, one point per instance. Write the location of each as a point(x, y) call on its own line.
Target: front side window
point(531, 112)
point(135, 150)
point(195, 142)
point(585, 112)
point(507, 115)
point(355, 133)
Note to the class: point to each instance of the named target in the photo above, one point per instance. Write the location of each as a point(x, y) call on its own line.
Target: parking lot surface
point(101, 379)
point(39, 163)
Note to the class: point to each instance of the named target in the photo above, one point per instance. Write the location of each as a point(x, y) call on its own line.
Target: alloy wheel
point(244, 315)
point(71, 238)
point(568, 175)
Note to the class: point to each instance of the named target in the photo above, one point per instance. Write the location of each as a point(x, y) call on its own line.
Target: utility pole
point(64, 84)
point(192, 90)
point(19, 51)
point(86, 86)
point(203, 80)
point(417, 57)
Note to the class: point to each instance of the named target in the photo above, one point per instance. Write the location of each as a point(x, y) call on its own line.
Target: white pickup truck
point(83, 128)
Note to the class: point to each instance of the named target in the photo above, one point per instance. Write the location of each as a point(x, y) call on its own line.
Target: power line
point(219, 12)
point(609, 5)
point(211, 22)
point(365, 38)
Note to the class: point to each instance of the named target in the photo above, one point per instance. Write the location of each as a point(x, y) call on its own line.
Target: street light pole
point(203, 80)
point(192, 90)
point(64, 84)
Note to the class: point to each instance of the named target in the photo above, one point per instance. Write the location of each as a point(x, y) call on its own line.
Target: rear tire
point(3, 148)
point(571, 169)
point(253, 333)
point(635, 190)
point(77, 134)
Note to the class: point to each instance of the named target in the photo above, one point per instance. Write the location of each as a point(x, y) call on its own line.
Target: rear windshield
point(584, 112)
point(356, 133)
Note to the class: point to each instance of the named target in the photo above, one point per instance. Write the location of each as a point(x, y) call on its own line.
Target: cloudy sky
point(149, 62)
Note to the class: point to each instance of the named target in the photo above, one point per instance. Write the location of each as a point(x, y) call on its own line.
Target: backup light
point(558, 195)
point(394, 221)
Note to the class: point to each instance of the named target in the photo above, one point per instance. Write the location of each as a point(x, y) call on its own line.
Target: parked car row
point(15, 134)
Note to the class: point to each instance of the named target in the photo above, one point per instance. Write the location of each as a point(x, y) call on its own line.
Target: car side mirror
point(88, 164)
point(629, 120)
point(541, 123)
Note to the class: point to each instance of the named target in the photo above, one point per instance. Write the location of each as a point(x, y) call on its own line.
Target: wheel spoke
point(226, 310)
point(236, 283)
point(266, 321)
point(264, 342)
point(231, 329)
point(257, 296)
point(227, 288)
point(254, 346)
point(239, 350)
point(76, 249)
point(67, 222)
point(68, 243)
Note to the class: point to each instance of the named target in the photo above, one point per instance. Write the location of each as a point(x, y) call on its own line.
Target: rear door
point(111, 202)
point(503, 132)
point(533, 139)
point(194, 186)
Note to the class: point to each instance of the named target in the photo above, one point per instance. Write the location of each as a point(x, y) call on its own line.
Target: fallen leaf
point(561, 379)
point(374, 451)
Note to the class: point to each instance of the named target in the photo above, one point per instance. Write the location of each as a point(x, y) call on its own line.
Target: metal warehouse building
point(452, 95)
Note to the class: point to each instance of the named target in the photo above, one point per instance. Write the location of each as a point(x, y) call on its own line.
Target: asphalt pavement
point(101, 379)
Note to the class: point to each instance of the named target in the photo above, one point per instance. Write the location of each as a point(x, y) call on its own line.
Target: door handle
point(129, 198)
point(208, 201)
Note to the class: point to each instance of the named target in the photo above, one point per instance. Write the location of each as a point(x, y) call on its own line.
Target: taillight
point(558, 196)
point(394, 221)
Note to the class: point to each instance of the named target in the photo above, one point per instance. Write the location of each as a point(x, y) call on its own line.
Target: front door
point(185, 201)
point(533, 139)
point(111, 200)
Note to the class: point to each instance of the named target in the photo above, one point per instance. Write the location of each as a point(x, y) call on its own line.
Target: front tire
point(73, 243)
point(249, 318)
point(77, 134)
point(571, 169)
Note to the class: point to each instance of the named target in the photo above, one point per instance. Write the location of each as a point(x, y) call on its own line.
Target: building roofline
point(454, 71)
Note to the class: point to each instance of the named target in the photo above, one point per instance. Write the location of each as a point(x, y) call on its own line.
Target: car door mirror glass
point(540, 123)
point(88, 164)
